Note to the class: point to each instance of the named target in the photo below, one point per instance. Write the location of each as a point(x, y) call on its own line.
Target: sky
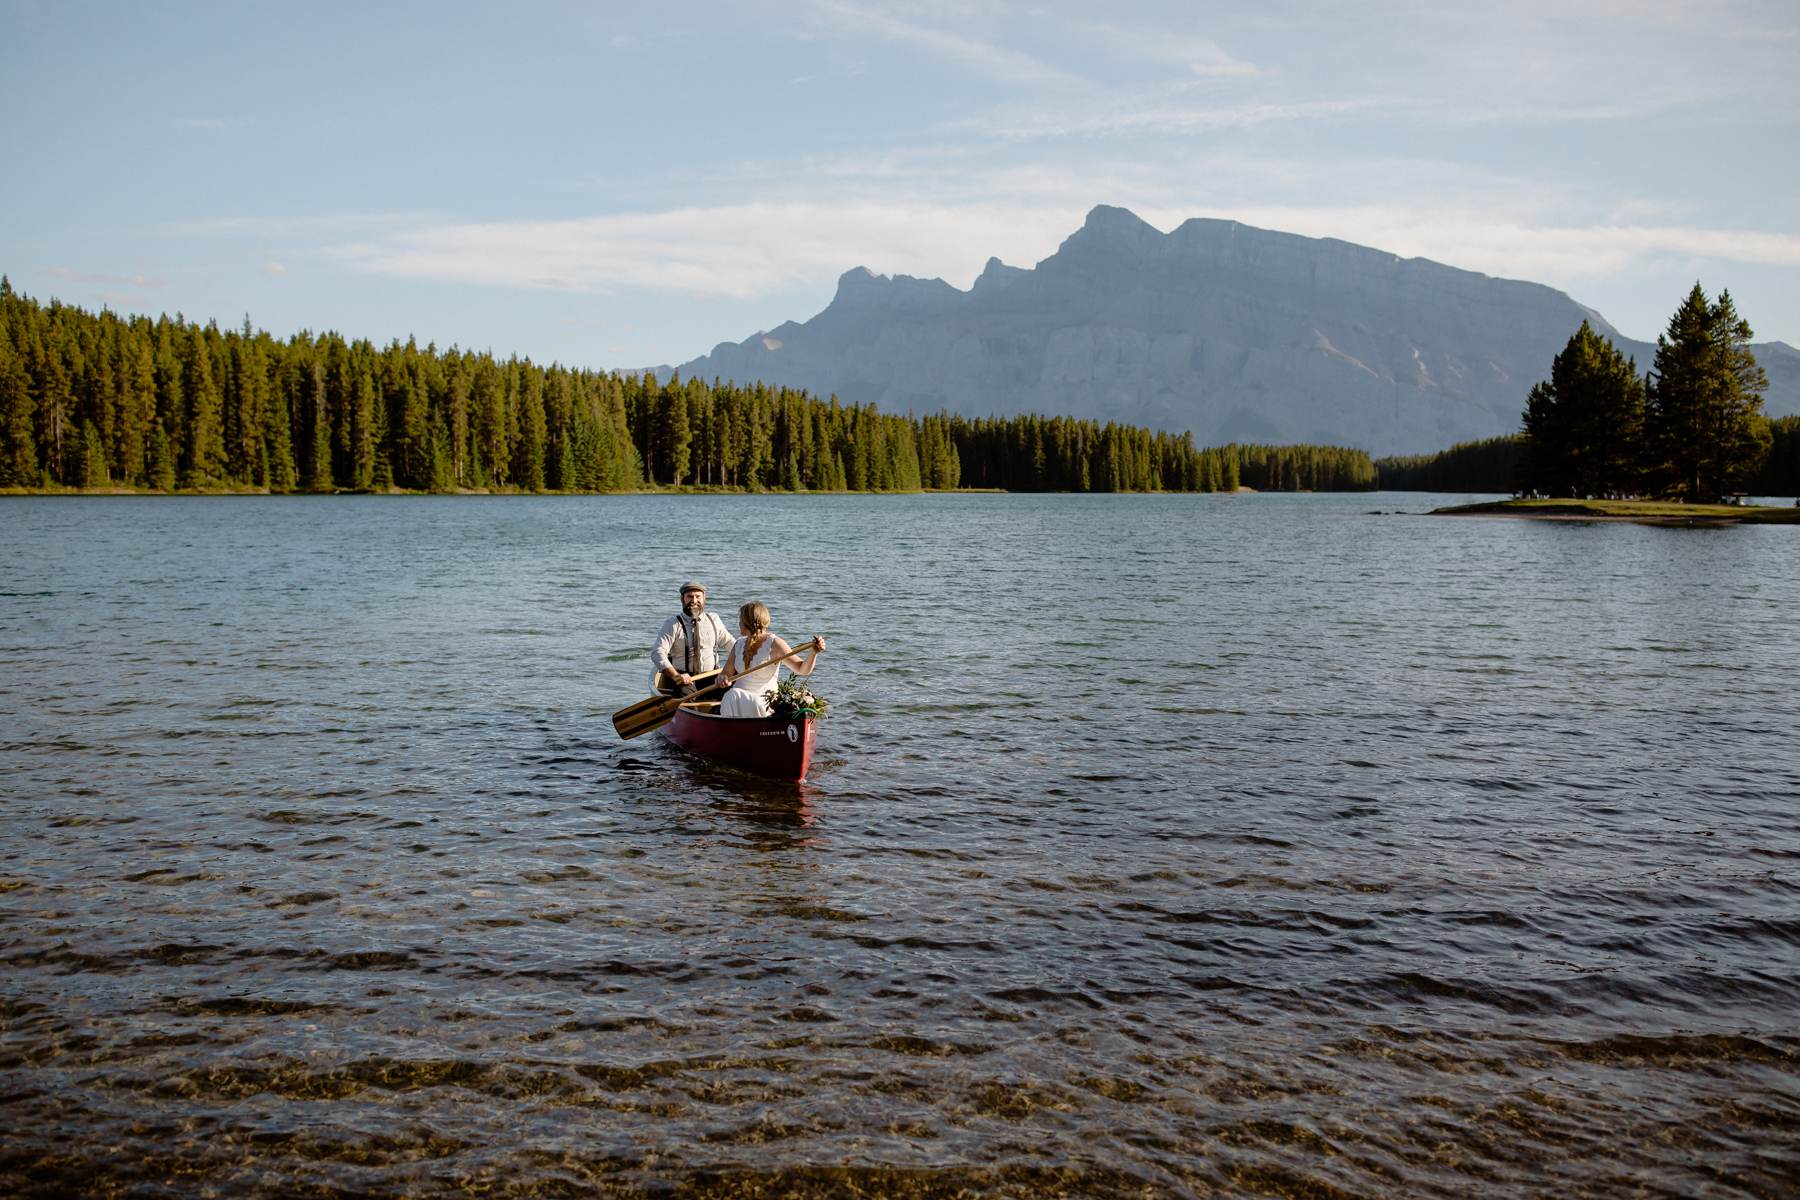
point(619, 185)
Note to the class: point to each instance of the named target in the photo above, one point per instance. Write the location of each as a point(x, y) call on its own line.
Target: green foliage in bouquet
point(792, 699)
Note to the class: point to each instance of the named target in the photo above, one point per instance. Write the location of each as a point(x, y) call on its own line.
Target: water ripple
point(1155, 845)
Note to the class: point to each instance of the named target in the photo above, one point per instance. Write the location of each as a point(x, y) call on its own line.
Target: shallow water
point(1181, 845)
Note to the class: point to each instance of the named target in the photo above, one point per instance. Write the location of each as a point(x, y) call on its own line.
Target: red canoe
point(771, 746)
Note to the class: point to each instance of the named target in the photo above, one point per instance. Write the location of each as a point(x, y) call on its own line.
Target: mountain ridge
point(1221, 328)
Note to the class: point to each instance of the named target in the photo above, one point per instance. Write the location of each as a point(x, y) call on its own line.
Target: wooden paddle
point(658, 711)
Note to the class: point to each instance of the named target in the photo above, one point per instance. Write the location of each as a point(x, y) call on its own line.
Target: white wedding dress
point(749, 693)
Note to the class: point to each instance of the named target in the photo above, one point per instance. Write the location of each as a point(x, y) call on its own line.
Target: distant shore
point(666, 491)
point(694, 490)
point(1638, 512)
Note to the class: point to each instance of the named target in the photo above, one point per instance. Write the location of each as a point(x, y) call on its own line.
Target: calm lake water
point(1165, 845)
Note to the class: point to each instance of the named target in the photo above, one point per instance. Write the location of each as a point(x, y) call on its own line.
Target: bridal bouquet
point(792, 699)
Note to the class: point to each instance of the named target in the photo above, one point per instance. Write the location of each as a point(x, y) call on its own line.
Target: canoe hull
point(773, 747)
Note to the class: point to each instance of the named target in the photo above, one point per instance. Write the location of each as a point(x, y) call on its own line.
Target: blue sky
point(618, 185)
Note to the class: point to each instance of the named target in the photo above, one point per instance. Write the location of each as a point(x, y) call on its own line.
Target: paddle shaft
point(726, 683)
point(646, 715)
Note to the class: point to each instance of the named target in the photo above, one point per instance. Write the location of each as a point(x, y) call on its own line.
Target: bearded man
point(689, 644)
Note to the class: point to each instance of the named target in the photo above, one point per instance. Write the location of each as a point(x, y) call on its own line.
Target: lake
point(1168, 845)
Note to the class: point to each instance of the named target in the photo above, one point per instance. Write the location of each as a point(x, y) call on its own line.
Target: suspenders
point(691, 629)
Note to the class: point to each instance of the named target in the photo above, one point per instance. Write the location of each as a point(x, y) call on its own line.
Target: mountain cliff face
point(1232, 332)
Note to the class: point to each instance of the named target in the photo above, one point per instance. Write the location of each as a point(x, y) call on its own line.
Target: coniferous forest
point(1496, 465)
point(1691, 428)
point(99, 400)
point(1489, 465)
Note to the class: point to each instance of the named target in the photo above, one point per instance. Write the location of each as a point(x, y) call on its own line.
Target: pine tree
point(487, 405)
point(859, 466)
point(443, 467)
point(456, 431)
point(102, 403)
point(278, 440)
point(246, 398)
point(171, 410)
point(362, 432)
point(93, 457)
point(755, 456)
point(50, 388)
point(316, 472)
point(558, 391)
point(677, 438)
point(137, 404)
point(1740, 430)
point(202, 457)
point(409, 416)
point(1705, 431)
point(162, 459)
point(620, 466)
point(1584, 427)
point(563, 475)
point(528, 455)
point(18, 448)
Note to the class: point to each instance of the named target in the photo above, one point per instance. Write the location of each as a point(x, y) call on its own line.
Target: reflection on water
point(1166, 845)
point(781, 814)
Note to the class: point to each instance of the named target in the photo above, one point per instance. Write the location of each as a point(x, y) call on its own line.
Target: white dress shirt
point(671, 650)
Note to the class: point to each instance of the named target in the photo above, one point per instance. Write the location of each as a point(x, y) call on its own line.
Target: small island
point(1642, 512)
point(1682, 444)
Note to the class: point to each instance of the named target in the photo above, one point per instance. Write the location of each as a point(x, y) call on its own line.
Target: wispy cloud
point(903, 165)
point(1480, 240)
point(1159, 115)
point(1178, 112)
point(74, 276)
point(1543, 61)
point(752, 250)
point(738, 251)
point(300, 227)
point(1198, 56)
point(274, 268)
point(995, 60)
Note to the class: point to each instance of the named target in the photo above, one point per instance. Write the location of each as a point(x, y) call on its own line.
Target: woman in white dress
point(748, 669)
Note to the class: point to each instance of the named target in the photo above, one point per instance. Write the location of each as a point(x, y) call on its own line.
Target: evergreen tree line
point(1780, 474)
point(1065, 454)
point(1494, 465)
point(757, 437)
point(92, 400)
point(1304, 468)
point(1488, 465)
point(1690, 429)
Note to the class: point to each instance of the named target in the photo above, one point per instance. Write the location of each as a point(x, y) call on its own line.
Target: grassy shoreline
point(1639, 512)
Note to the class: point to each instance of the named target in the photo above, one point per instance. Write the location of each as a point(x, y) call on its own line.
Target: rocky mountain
point(1232, 332)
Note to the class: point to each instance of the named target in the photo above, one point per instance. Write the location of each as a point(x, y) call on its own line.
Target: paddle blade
point(645, 715)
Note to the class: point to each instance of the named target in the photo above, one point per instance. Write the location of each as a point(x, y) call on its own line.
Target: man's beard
point(694, 608)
